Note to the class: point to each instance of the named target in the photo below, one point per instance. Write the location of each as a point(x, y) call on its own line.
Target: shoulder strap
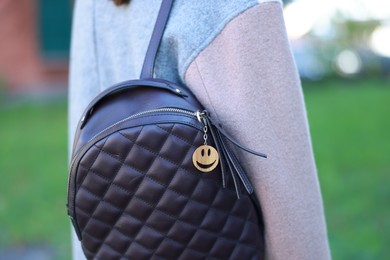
point(162, 18)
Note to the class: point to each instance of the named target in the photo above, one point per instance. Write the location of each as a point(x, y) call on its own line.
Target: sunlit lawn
point(33, 166)
point(350, 126)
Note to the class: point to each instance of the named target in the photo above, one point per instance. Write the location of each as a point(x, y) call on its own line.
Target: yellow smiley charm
point(205, 158)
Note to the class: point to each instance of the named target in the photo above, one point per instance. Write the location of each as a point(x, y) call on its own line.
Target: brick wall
point(22, 67)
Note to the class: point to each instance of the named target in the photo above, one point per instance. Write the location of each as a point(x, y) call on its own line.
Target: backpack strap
point(162, 18)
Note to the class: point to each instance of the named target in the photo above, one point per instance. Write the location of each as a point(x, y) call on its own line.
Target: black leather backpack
point(153, 177)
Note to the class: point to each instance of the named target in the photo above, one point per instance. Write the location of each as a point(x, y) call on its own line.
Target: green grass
point(350, 128)
point(33, 166)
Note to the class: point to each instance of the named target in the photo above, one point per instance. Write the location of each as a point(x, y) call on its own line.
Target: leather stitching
point(116, 172)
point(243, 221)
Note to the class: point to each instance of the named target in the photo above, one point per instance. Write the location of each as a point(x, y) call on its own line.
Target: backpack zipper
point(196, 114)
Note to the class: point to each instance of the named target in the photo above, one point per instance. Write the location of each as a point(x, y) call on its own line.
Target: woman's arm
point(83, 80)
point(248, 79)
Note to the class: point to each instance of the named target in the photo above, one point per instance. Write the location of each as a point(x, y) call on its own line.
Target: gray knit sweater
point(235, 57)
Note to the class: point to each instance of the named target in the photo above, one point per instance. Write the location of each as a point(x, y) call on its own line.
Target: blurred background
point(342, 50)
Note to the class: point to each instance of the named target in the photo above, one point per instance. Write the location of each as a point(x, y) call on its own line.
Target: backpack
point(153, 176)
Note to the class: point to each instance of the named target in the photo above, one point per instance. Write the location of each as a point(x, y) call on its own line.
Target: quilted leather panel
point(137, 199)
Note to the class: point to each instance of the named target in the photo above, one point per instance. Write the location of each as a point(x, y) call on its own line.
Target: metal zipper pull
point(205, 158)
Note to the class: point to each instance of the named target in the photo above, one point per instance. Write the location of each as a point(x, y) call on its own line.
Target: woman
point(235, 57)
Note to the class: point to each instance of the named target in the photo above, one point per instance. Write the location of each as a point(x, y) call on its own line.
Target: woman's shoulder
point(120, 34)
point(195, 24)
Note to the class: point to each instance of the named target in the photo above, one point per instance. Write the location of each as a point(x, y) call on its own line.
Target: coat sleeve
point(246, 77)
point(83, 80)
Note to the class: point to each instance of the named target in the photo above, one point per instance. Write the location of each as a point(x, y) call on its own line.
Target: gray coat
point(236, 58)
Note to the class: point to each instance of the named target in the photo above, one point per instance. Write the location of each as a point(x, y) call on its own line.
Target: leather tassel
point(238, 170)
point(227, 156)
point(231, 167)
point(230, 139)
point(221, 152)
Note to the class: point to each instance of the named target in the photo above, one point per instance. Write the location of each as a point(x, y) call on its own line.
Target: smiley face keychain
point(205, 157)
